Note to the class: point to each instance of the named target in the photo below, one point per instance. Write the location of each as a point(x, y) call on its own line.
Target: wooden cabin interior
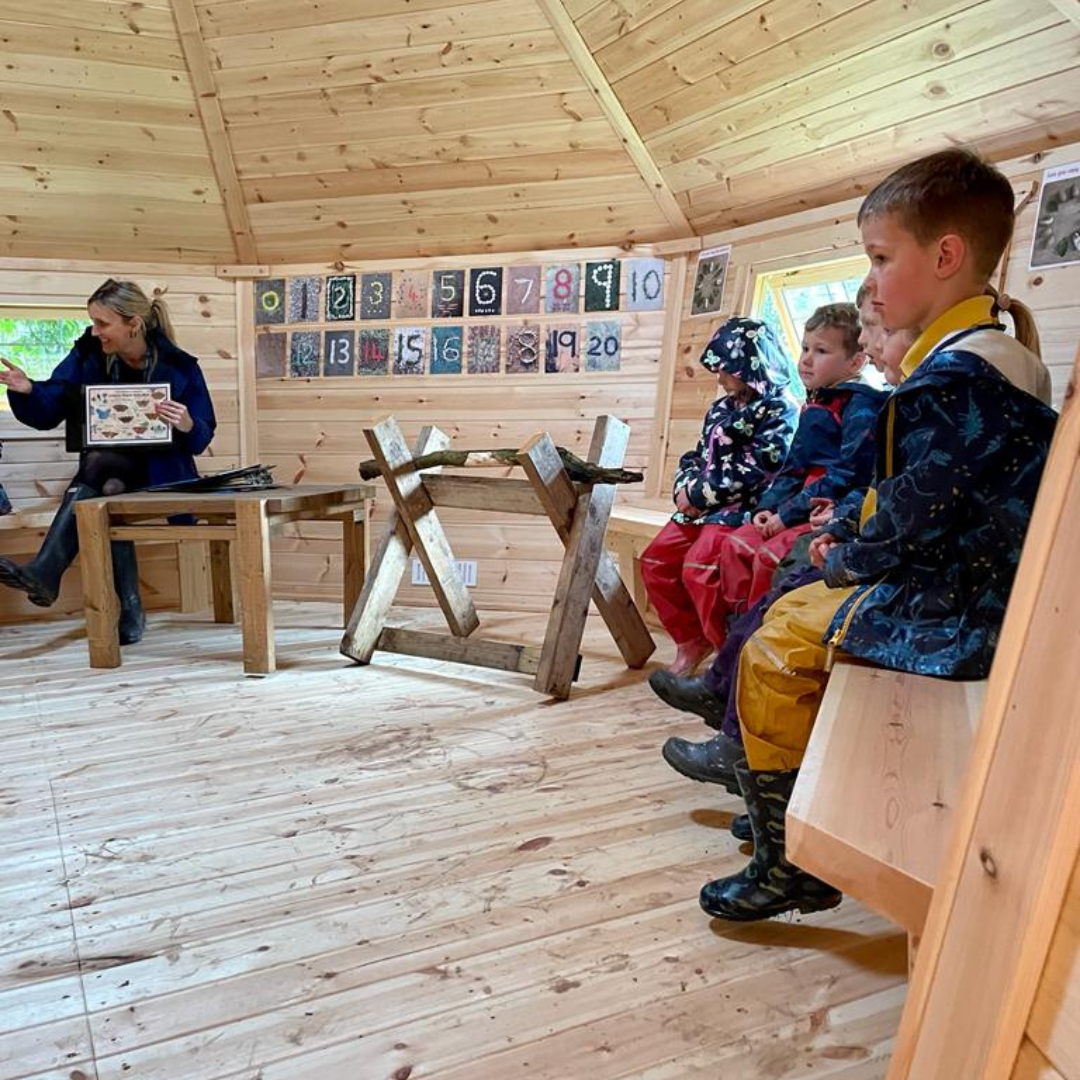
point(422, 868)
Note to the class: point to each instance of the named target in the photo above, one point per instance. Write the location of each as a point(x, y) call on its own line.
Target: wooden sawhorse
point(579, 514)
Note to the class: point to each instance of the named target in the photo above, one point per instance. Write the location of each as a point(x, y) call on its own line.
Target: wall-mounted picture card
point(410, 294)
point(446, 349)
point(269, 302)
point(373, 352)
point(603, 345)
point(270, 356)
point(1056, 241)
point(561, 285)
point(341, 298)
point(305, 294)
point(485, 349)
point(523, 290)
point(410, 348)
point(375, 296)
point(486, 290)
point(304, 354)
point(644, 285)
point(339, 352)
point(523, 346)
point(712, 268)
point(447, 294)
point(562, 353)
point(602, 285)
point(126, 415)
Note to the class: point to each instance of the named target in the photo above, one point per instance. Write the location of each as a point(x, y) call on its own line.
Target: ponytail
point(1024, 328)
point(158, 318)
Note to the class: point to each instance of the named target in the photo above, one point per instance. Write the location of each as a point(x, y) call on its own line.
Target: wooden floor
point(397, 872)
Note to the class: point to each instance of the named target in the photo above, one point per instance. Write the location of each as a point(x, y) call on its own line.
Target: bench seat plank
point(872, 808)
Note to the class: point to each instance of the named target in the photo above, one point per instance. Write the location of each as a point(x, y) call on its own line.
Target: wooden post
point(221, 581)
point(99, 593)
point(253, 563)
point(356, 553)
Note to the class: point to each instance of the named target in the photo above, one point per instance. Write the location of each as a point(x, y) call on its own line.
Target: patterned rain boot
point(768, 885)
point(711, 762)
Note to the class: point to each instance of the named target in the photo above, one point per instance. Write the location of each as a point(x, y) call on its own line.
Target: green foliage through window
point(38, 344)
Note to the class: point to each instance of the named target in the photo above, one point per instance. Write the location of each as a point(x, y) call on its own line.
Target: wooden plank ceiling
point(323, 130)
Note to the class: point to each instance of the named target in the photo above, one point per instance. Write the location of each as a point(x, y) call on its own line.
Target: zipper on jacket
point(841, 631)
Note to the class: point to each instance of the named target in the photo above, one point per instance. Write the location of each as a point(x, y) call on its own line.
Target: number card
point(410, 295)
point(375, 296)
point(410, 345)
point(304, 354)
point(270, 356)
point(523, 290)
point(126, 415)
point(446, 350)
point(373, 352)
point(304, 296)
point(485, 291)
point(561, 284)
point(448, 294)
point(269, 302)
point(602, 285)
point(709, 281)
point(339, 352)
point(562, 349)
point(522, 349)
point(341, 298)
point(603, 345)
point(644, 285)
point(485, 347)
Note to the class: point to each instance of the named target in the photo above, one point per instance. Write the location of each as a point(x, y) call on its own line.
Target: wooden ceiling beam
point(570, 37)
point(1070, 9)
point(213, 122)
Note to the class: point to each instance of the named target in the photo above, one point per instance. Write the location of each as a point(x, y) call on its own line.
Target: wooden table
point(245, 520)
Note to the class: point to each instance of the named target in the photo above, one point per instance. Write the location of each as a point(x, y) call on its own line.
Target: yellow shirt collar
point(976, 311)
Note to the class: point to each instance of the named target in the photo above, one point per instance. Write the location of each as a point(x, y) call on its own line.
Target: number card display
point(561, 284)
point(562, 349)
point(410, 345)
point(602, 285)
point(375, 296)
point(339, 352)
point(304, 354)
point(523, 290)
point(448, 294)
point(341, 298)
point(446, 348)
point(269, 302)
point(373, 352)
point(709, 281)
point(485, 346)
point(410, 296)
point(126, 415)
point(522, 349)
point(603, 345)
point(270, 356)
point(485, 291)
point(304, 297)
point(645, 285)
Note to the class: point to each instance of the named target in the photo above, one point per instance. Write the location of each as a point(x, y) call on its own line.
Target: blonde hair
point(130, 302)
point(1024, 328)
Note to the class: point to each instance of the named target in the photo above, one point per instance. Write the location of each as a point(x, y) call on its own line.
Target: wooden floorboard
point(410, 870)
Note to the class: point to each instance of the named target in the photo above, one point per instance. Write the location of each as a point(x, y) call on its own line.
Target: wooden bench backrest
point(995, 993)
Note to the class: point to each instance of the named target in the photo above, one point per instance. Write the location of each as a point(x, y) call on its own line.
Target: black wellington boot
point(768, 885)
point(132, 621)
point(688, 693)
point(741, 828)
point(40, 577)
point(711, 762)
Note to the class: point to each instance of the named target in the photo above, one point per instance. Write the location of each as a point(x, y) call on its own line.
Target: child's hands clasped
point(768, 524)
point(819, 548)
point(821, 511)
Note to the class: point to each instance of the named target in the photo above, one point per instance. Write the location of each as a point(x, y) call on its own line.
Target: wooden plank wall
point(35, 468)
point(312, 430)
point(829, 233)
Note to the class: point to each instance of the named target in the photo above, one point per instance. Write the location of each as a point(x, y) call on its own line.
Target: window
point(37, 339)
point(787, 298)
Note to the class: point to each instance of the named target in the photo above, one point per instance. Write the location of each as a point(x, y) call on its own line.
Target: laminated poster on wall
point(709, 281)
point(126, 415)
point(1056, 239)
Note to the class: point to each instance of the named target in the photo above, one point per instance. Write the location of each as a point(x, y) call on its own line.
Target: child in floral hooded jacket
point(744, 441)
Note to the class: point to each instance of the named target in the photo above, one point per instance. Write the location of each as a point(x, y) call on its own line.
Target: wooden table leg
point(356, 550)
point(253, 569)
point(99, 593)
point(221, 582)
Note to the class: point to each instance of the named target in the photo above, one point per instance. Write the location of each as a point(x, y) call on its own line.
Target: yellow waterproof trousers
point(782, 676)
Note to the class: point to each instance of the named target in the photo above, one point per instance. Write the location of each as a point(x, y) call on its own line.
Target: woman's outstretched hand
point(14, 378)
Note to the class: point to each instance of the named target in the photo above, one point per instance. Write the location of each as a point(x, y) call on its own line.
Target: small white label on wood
point(466, 568)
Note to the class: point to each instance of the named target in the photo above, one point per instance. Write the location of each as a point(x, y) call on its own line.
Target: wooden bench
point(631, 528)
